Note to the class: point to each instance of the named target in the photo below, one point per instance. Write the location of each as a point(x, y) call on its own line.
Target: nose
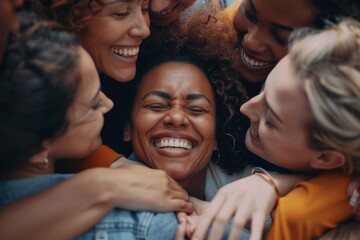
point(176, 117)
point(254, 40)
point(107, 103)
point(157, 6)
point(251, 108)
point(141, 23)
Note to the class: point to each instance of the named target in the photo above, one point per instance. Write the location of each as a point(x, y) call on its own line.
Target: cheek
point(147, 19)
point(279, 52)
point(239, 23)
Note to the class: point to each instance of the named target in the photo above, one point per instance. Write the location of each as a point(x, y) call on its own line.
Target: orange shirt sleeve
point(312, 207)
point(102, 157)
point(229, 11)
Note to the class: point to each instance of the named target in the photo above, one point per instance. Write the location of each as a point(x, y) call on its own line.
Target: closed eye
point(157, 107)
point(196, 110)
point(120, 14)
point(247, 15)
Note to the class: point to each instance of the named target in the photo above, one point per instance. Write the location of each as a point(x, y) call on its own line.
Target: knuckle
point(221, 219)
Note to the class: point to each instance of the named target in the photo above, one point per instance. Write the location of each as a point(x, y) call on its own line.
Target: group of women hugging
point(179, 119)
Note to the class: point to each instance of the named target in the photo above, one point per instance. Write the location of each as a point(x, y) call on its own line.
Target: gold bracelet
point(268, 178)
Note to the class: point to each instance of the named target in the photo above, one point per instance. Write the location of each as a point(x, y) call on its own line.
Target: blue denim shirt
point(117, 224)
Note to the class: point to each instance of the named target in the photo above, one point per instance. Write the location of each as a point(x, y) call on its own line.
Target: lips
point(254, 134)
point(174, 143)
point(125, 52)
point(254, 63)
point(168, 10)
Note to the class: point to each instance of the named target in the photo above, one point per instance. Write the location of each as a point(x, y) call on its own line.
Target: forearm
point(61, 212)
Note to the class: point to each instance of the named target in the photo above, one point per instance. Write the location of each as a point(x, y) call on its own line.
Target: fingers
point(257, 226)
point(237, 226)
point(219, 224)
point(208, 217)
point(181, 231)
point(181, 217)
point(177, 205)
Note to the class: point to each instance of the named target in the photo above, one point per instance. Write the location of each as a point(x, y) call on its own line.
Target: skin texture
point(113, 36)
point(86, 116)
point(8, 21)
point(184, 109)
point(132, 187)
point(261, 38)
point(278, 116)
point(164, 12)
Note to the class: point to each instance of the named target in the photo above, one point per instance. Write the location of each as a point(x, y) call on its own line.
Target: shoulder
point(231, 9)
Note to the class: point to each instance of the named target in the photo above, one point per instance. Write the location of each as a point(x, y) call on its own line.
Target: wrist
point(262, 173)
point(97, 188)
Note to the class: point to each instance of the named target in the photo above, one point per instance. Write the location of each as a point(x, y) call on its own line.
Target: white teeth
point(165, 12)
point(126, 52)
point(253, 62)
point(173, 143)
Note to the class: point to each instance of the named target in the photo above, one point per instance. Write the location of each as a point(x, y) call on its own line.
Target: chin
point(251, 76)
point(123, 76)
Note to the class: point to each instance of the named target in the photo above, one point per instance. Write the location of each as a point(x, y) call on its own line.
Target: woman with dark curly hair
point(52, 108)
point(50, 65)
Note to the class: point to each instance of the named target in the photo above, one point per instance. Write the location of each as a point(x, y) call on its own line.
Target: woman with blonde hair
point(305, 119)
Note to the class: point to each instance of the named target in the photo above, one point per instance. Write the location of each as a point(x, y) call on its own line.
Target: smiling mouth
point(254, 133)
point(173, 143)
point(125, 52)
point(254, 63)
point(166, 11)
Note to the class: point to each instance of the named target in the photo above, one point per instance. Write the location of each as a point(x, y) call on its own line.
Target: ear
point(127, 132)
point(329, 159)
point(216, 146)
point(38, 158)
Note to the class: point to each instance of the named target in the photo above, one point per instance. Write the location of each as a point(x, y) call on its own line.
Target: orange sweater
point(102, 157)
point(312, 207)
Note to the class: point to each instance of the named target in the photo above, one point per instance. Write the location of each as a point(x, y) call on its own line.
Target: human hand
point(188, 222)
point(144, 189)
point(354, 193)
point(249, 199)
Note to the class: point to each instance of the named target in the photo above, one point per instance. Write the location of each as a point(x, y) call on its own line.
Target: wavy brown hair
point(72, 14)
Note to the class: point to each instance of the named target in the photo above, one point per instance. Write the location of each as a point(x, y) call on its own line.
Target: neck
point(195, 184)
point(29, 170)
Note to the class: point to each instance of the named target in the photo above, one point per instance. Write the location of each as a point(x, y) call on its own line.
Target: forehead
point(294, 13)
point(284, 91)
point(177, 78)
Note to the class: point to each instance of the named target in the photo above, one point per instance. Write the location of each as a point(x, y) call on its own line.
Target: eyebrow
point(192, 96)
point(252, 5)
point(275, 25)
point(283, 27)
point(157, 93)
point(273, 112)
point(195, 96)
point(95, 96)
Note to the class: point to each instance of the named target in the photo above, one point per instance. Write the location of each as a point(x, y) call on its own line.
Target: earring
point(218, 156)
point(44, 165)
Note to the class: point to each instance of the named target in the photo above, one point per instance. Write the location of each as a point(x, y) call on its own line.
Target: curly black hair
point(217, 64)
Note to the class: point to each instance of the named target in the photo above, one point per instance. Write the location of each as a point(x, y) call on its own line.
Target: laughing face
point(86, 115)
point(164, 12)
point(113, 36)
point(263, 27)
point(279, 116)
point(173, 120)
